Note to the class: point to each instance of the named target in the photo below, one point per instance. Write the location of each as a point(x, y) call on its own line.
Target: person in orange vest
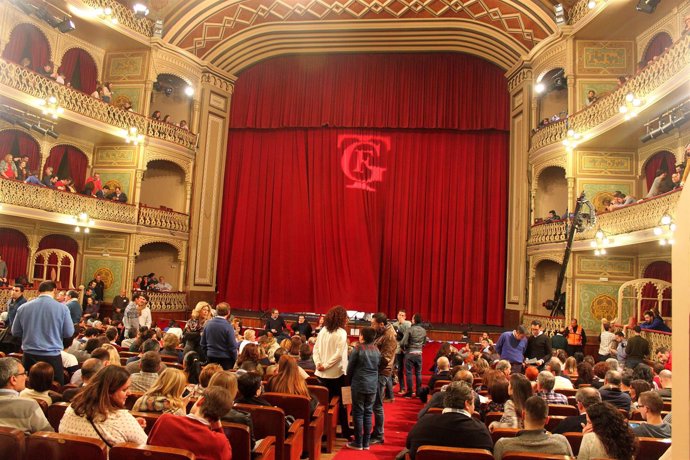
point(575, 334)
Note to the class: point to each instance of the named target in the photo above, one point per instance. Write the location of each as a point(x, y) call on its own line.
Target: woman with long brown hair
point(288, 380)
point(98, 411)
point(250, 353)
point(519, 389)
point(330, 357)
point(607, 434)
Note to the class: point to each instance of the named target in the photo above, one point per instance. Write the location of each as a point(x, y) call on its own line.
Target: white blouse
point(119, 427)
point(330, 351)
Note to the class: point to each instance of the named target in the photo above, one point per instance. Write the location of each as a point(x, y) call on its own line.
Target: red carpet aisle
point(401, 415)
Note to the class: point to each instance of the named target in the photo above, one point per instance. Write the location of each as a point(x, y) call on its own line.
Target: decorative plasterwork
point(519, 78)
point(666, 24)
point(536, 259)
point(170, 62)
point(537, 169)
point(217, 82)
point(647, 261)
point(185, 165)
point(143, 240)
point(552, 58)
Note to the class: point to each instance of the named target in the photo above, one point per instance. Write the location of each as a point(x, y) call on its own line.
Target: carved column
point(572, 193)
point(520, 87)
point(139, 177)
point(215, 96)
point(530, 285)
point(148, 90)
point(182, 269)
point(188, 196)
point(194, 122)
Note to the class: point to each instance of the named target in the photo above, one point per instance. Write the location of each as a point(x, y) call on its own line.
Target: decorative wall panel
point(606, 163)
point(605, 266)
point(605, 58)
point(111, 269)
point(126, 66)
point(596, 300)
point(115, 156)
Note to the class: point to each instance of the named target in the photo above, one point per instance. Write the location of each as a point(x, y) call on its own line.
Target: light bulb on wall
point(189, 91)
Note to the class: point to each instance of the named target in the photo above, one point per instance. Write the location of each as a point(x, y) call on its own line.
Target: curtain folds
point(14, 249)
point(27, 40)
point(78, 60)
point(26, 145)
point(77, 163)
point(662, 271)
point(662, 160)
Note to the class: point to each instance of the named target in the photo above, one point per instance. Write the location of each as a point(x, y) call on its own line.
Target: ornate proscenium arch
point(499, 31)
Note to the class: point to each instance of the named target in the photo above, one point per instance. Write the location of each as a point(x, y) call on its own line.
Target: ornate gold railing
point(167, 301)
point(578, 11)
point(159, 218)
point(656, 339)
point(125, 16)
point(548, 323)
point(29, 82)
point(669, 65)
point(632, 218)
point(36, 197)
point(6, 295)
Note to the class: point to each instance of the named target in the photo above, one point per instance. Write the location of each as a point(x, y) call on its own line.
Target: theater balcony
point(35, 202)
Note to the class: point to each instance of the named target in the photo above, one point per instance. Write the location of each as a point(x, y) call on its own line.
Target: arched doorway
point(169, 96)
point(27, 41)
point(545, 278)
point(552, 192)
point(59, 243)
point(163, 185)
point(20, 144)
point(14, 250)
point(656, 47)
point(159, 258)
point(552, 100)
point(661, 161)
point(80, 70)
point(69, 161)
point(659, 270)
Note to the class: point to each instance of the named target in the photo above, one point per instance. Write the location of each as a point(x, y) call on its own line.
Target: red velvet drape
point(662, 271)
point(64, 243)
point(27, 40)
point(656, 47)
point(661, 160)
point(429, 236)
point(14, 249)
point(26, 144)
point(88, 72)
point(77, 163)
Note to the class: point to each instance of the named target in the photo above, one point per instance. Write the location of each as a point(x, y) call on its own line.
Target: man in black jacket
point(611, 391)
point(585, 397)
point(538, 345)
point(455, 427)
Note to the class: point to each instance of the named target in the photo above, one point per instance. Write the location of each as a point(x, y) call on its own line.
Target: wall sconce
point(665, 230)
point(631, 106)
point(132, 136)
point(601, 242)
point(51, 107)
point(81, 222)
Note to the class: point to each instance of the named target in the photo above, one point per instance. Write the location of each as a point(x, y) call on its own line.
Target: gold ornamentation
point(125, 16)
point(550, 324)
point(603, 306)
point(169, 220)
point(519, 78)
point(167, 301)
point(578, 11)
point(106, 276)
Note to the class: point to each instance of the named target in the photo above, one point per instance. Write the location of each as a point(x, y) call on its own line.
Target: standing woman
point(330, 357)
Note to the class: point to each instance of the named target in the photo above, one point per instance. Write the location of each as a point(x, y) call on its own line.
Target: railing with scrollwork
point(550, 324)
point(639, 216)
point(36, 197)
point(656, 339)
point(6, 295)
point(160, 218)
point(669, 65)
point(167, 301)
point(125, 16)
point(29, 82)
point(578, 11)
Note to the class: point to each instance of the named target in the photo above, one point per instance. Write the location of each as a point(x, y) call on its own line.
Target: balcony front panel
point(159, 218)
point(125, 16)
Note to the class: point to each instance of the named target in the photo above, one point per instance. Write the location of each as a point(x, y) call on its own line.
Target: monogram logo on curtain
point(362, 159)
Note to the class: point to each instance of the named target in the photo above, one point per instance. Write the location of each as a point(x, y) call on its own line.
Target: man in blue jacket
point(74, 306)
point(218, 339)
point(42, 323)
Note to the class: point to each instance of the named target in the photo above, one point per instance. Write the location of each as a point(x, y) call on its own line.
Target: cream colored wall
point(158, 258)
point(177, 105)
point(163, 185)
point(552, 103)
point(552, 192)
point(545, 278)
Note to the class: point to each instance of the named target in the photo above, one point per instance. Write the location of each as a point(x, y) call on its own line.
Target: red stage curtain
point(77, 163)
point(662, 271)
point(14, 249)
point(444, 90)
point(656, 47)
point(27, 40)
point(661, 160)
point(88, 72)
point(25, 144)
point(64, 243)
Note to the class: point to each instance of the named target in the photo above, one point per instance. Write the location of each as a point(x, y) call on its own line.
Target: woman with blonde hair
point(114, 354)
point(289, 380)
point(191, 336)
point(270, 345)
point(228, 381)
point(169, 347)
point(165, 395)
point(570, 367)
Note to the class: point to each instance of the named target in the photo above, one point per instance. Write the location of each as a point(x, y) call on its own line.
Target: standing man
point(637, 349)
point(218, 339)
point(98, 288)
point(538, 345)
point(276, 326)
point(605, 340)
point(386, 343)
point(16, 300)
point(412, 342)
point(511, 346)
point(137, 314)
point(43, 323)
point(400, 326)
point(74, 306)
point(576, 337)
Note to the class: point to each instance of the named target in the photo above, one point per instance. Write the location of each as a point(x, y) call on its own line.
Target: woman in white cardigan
point(330, 357)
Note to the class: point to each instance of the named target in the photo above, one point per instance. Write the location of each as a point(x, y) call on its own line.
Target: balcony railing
point(669, 65)
point(639, 216)
point(125, 16)
point(578, 11)
point(167, 301)
point(36, 197)
point(549, 323)
point(33, 84)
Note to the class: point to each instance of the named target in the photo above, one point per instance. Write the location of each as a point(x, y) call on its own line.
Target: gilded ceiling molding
point(171, 61)
point(218, 82)
point(262, 42)
point(538, 258)
point(553, 58)
point(559, 161)
point(519, 78)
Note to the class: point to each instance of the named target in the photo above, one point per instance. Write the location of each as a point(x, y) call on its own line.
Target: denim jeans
point(413, 360)
point(362, 405)
point(378, 407)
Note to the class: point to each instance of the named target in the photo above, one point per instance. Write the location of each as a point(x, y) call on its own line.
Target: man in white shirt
point(163, 286)
point(605, 340)
point(137, 314)
point(554, 366)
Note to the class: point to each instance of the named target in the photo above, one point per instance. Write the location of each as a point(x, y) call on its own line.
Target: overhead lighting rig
point(63, 22)
point(670, 119)
point(28, 121)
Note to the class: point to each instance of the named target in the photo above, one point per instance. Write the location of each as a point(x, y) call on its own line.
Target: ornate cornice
point(519, 78)
point(179, 245)
point(218, 82)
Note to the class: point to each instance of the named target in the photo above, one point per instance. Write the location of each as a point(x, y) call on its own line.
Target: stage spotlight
point(647, 6)
point(67, 25)
point(40, 129)
point(52, 134)
point(26, 7)
point(24, 124)
point(140, 10)
point(8, 117)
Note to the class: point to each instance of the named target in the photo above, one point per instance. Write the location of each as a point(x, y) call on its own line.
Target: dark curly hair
point(613, 431)
point(643, 372)
point(335, 318)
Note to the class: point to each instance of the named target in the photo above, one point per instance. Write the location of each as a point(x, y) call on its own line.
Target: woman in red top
point(8, 169)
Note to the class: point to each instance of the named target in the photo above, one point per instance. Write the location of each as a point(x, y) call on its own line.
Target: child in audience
point(363, 369)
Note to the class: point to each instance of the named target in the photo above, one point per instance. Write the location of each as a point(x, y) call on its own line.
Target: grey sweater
point(533, 441)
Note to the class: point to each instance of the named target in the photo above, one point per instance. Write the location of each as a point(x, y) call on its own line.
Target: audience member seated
point(40, 381)
point(519, 389)
point(555, 366)
point(250, 353)
point(200, 431)
point(248, 337)
point(90, 368)
point(250, 390)
point(112, 351)
point(147, 346)
point(611, 391)
point(460, 374)
point(70, 363)
point(552, 217)
point(607, 435)
point(666, 385)
point(662, 184)
point(600, 369)
point(98, 411)
point(162, 285)
point(208, 371)
point(534, 438)
point(498, 392)
point(585, 397)
point(289, 380)
point(545, 384)
point(455, 427)
point(591, 97)
point(650, 406)
point(15, 412)
point(228, 381)
point(442, 373)
point(100, 354)
point(149, 366)
point(8, 168)
point(165, 395)
point(305, 360)
point(191, 364)
point(570, 367)
point(302, 327)
point(619, 200)
point(170, 344)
